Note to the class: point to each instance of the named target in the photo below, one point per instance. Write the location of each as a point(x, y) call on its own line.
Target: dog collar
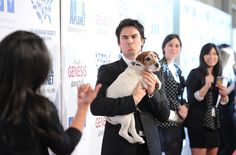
point(135, 63)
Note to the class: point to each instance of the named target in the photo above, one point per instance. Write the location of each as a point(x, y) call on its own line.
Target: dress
point(172, 132)
point(23, 140)
point(149, 109)
point(200, 134)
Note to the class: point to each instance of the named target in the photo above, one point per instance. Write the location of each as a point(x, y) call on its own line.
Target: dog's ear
point(156, 54)
point(140, 57)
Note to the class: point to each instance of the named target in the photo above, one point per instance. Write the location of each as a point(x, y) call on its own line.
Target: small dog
point(124, 86)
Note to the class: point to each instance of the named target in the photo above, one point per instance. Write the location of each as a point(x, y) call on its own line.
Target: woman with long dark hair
point(202, 91)
point(29, 122)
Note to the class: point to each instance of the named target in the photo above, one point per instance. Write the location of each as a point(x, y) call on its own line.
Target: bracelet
point(225, 100)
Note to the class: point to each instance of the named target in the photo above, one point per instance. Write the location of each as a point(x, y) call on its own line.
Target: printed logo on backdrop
point(42, 9)
point(43, 12)
point(123, 9)
point(103, 23)
point(77, 12)
point(49, 89)
point(7, 8)
point(105, 57)
point(70, 119)
point(77, 72)
point(10, 6)
point(77, 16)
point(100, 125)
point(48, 86)
point(102, 58)
point(45, 34)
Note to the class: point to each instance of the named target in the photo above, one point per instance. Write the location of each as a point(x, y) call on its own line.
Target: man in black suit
point(151, 103)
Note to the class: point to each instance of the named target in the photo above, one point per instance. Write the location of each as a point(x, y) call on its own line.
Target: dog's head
point(148, 60)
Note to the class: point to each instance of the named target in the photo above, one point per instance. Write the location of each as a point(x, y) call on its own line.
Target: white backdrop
point(88, 41)
point(80, 35)
point(200, 24)
point(41, 17)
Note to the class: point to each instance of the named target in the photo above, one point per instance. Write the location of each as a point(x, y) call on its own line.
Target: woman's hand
point(86, 94)
point(209, 79)
point(222, 90)
point(183, 111)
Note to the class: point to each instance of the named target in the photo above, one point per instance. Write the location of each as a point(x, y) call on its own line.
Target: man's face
point(130, 42)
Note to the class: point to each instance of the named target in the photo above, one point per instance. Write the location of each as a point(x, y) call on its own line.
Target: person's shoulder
point(110, 64)
point(44, 101)
point(116, 65)
point(194, 74)
point(195, 70)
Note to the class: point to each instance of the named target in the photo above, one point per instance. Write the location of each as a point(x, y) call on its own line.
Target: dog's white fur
point(124, 86)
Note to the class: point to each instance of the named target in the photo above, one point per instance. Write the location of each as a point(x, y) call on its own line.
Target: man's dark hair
point(128, 22)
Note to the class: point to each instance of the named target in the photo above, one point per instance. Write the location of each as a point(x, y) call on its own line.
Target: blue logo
point(102, 58)
point(77, 12)
point(43, 9)
point(50, 78)
point(70, 119)
point(10, 6)
point(2, 5)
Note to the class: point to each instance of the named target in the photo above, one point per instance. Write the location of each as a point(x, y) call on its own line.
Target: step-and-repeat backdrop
point(80, 35)
point(88, 40)
point(43, 18)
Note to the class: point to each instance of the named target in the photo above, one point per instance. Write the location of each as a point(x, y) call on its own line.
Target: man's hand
point(151, 81)
point(138, 93)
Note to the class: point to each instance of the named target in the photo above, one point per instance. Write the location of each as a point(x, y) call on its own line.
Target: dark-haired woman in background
point(172, 131)
point(202, 91)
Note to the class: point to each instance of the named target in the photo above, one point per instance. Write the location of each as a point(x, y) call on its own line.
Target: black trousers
point(172, 140)
point(142, 149)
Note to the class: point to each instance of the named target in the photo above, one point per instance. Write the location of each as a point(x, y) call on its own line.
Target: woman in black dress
point(202, 92)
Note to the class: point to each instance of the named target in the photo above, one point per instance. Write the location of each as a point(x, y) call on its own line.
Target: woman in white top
point(172, 132)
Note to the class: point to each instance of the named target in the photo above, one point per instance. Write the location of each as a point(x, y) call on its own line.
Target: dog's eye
point(148, 59)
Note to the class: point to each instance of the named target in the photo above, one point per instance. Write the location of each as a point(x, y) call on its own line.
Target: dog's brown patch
point(147, 58)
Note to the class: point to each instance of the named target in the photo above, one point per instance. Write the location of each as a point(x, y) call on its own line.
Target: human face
point(130, 42)
point(172, 50)
point(211, 59)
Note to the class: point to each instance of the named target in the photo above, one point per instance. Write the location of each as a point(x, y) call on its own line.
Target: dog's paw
point(138, 138)
point(158, 85)
point(140, 141)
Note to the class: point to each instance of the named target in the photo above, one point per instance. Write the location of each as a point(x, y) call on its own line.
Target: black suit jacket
point(152, 108)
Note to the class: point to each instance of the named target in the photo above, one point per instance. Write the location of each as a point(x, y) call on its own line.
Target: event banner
point(88, 41)
point(80, 35)
point(43, 18)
